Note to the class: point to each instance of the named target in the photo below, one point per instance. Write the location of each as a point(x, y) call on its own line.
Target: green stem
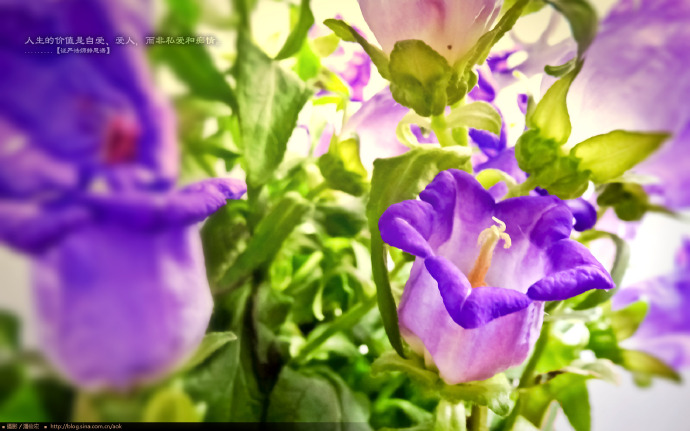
point(347, 320)
point(478, 420)
point(440, 128)
point(527, 376)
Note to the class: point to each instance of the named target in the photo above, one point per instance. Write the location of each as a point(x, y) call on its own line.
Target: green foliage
point(297, 36)
point(342, 167)
point(395, 180)
point(269, 100)
point(170, 405)
point(268, 235)
point(316, 395)
point(494, 392)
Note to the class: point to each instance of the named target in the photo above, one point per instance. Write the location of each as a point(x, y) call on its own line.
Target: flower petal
point(149, 210)
point(572, 270)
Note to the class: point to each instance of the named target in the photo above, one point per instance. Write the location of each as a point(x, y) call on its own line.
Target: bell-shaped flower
point(450, 27)
point(635, 78)
point(88, 163)
point(124, 298)
point(473, 304)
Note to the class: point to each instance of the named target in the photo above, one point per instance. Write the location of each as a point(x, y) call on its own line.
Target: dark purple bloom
point(665, 330)
point(635, 78)
point(88, 162)
point(476, 308)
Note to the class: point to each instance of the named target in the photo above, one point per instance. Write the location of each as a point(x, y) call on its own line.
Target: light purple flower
point(473, 303)
point(374, 124)
point(88, 161)
point(450, 27)
point(635, 78)
point(665, 330)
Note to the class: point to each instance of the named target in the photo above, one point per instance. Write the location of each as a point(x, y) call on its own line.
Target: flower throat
point(487, 241)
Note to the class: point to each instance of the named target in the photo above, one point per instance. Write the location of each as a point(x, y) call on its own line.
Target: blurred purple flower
point(374, 124)
point(665, 330)
point(635, 78)
point(349, 61)
point(88, 162)
point(450, 27)
point(473, 308)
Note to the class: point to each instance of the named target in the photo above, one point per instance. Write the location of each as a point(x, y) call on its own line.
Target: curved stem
point(441, 130)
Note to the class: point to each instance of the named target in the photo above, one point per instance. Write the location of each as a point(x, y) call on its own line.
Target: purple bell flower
point(665, 330)
point(473, 304)
point(88, 161)
point(123, 299)
point(641, 51)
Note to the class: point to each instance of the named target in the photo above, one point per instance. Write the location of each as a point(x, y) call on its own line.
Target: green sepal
point(342, 167)
point(298, 35)
point(349, 34)
point(629, 201)
point(609, 156)
point(551, 114)
point(494, 392)
point(419, 77)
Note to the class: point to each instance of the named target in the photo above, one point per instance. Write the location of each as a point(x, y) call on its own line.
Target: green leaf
point(342, 167)
point(299, 33)
point(477, 115)
point(324, 332)
point(419, 77)
point(582, 18)
point(269, 100)
point(395, 180)
point(193, 65)
point(609, 156)
point(269, 235)
point(227, 382)
point(209, 345)
point(645, 364)
point(315, 395)
point(349, 34)
point(171, 405)
point(222, 236)
point(494, 393)
point(570, 391)
point(625, 322)
point(551, 114)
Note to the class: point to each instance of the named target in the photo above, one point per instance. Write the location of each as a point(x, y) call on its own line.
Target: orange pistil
point(488, 238)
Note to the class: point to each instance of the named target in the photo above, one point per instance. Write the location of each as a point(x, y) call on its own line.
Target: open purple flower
point(471, 306)
point(88, 161)
point(665, 330)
